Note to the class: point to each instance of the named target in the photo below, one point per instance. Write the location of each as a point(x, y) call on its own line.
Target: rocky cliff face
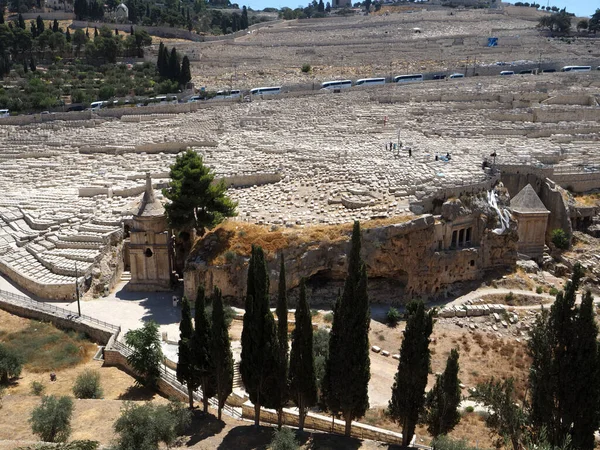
point(414, 258)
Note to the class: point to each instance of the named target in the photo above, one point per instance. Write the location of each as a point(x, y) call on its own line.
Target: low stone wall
point(50, 291)
point(252, 179)
point(578, 182)
point(322, 423)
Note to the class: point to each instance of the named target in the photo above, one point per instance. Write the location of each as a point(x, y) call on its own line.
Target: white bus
point(577, 69)
point(507, 72)
point(339, 84)
point(235, 93)
point(457, 75)
point(266, 90)
point(4, 113)
point(408, 78)
point(96, 105)
point(370, 81)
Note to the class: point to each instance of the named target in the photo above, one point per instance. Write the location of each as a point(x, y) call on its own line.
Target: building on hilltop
point(149, 247)
point(122, 13)
point(532, 219)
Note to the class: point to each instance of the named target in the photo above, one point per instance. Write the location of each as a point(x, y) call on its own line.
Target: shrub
point(445, 443)
point(560, 239)
point(393, 316)
point(321, 351)
point(381, 337)
point(73, 445)
point(539, 290)
point(51, 420)
point(284, 439)
point(314, 312)
point(87, 385)
point(37, 388)
point(229, 256)
point(328, 317)
point(509, 297)
point(11, 364)
point(553, 291)
point(147, 353)
point(469, 409)
point(306, 68)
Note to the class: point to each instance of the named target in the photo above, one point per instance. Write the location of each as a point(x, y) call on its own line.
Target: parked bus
point(577, 69)
point(457, 75)
point(235, 93)
point(339, 84)
point(266, 90)
point(408, 78)
point(370, 81)
point(4, 113)
point(506, 73)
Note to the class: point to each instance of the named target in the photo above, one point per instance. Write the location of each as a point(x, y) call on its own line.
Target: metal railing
point(27, 302)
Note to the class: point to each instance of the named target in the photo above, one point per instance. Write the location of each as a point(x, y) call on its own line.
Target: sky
point(578, 7)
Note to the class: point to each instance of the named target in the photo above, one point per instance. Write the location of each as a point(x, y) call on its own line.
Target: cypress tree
point(95, 32)
point(1, 16)
point(201, 348)
point(186, 370)
point(39, 24)
point(222, 356)
point(260, 349)
point(347, 373)
point(21, 21)
point(282, 337)
point(303, 380)
point(68, 35)
point(33, 29)
point(55, 26)
point(32, 64)
point(185, 76)
point(442, 401)
point(131, 30)
point(174, 68)
point(244, 20)
point(411, 379)
point(160, 63)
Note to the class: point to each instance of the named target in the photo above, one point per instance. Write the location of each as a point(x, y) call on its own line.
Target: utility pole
point(77, 289)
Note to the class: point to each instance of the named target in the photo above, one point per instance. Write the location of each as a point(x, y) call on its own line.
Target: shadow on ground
point(202, 427)
point(137, 393)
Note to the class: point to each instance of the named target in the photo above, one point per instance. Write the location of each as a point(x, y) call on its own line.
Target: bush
point(539, 290)
point(284, 439)
point(393, 316)
point(509, 297)
point(469, 409)
point(37, 388)
point(73, 445)
point(553, 291)
point(51, 421)
point(11, 364)
point(147, 353)
point(306, 68)
point(87, 385)
point(145, 426)
point(560, 239)
point(321, 351)
point(445, 443)
point(328, 318)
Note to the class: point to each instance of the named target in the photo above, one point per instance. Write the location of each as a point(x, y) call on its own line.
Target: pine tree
point(201, 348)
point(282, 336)
point(442, 401)
point(345, 385)
point(185, 76)
point(186, 371)
point(321, 7)
point(303, 381)
point(174, 68)
point(222, 356)
point(259, 337)
point(411, 379)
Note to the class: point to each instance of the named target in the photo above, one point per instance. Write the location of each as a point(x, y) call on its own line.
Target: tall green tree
point(186, 369)
point(441, 404)
point(146, 355)
point(201, 348)
point(174, 67)
point(222, 356)
point(282, 336)
point(162, 64)
point(347, 372)
point(260, 349)
point(303, 380)
point(186, 75)
point(195, 200)
point(408, 391)
point(51, 420)
point(244, 23)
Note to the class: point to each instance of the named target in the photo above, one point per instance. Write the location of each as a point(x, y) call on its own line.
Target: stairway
point(126, 276)
point(237, 377)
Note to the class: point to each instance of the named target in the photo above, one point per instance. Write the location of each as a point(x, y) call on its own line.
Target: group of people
point(397, 147)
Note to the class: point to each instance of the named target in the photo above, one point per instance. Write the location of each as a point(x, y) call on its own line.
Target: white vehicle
point(339, 84)
point(576, 69)
point(456, 75)
point(194, 99)
point(507, 72)
point(409, 78)
point(370, 81)
point(4, 113)
point(234, 93)
point(95, 106)
point(266, 90)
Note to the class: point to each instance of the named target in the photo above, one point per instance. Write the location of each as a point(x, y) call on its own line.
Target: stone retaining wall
point(50, 291)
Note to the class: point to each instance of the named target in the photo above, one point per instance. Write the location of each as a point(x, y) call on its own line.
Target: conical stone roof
point(527, 201)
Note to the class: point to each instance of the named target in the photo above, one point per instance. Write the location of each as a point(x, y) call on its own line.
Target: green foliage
point(51, 420)
point(321, 351)
point(284, 439)
point(144, 426)
point(392, 316)
point(441, 404)
point(408, 391)
point(328, 318)
point(194, 200)
point(186, 369)
point(558, 22)
point(11, 363)
point(37, 388)
point(509, 297)
point(594, 22)
point(560, 239)
point(87, 385)
point(553, 291)
point(282, 338)
point(200, 347)
point(506, 417)
point(539, 290)
point(73, 445)
point(347, 374)
point(303, 381)
point(306, 68)
point(147, 353)
point(222, 355)
point(445, 443)
point(469, 409)
point(259, 366)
